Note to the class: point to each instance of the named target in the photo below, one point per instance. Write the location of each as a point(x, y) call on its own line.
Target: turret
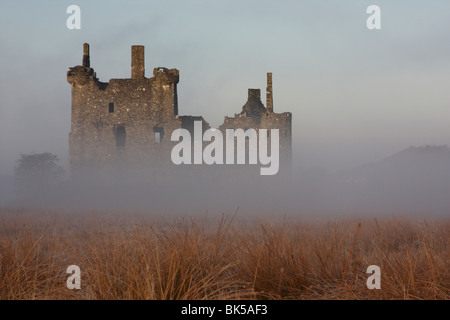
point(82, 75)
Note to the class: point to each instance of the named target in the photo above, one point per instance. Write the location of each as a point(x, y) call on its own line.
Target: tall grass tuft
point(199, 258)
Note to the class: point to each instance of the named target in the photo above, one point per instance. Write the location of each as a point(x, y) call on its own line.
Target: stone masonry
point(130, 121)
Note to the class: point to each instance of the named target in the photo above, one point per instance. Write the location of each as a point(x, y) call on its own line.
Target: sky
point(356, 95)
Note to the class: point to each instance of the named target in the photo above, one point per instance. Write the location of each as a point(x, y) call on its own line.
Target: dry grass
point(123, 258)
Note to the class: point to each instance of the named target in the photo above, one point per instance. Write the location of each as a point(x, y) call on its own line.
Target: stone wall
point(257, 117)
point(129, 122)
point(124, 119)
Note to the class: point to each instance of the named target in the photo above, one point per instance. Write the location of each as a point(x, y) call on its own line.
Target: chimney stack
point(254, 94)
point(137, 62)
point(269, 93)
point(86, 59)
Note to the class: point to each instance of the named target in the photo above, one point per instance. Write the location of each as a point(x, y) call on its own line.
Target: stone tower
point(124, 119)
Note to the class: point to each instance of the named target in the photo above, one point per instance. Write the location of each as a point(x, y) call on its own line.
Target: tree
point(35, 173)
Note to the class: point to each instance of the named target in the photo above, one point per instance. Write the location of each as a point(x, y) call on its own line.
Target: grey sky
point(356, 95)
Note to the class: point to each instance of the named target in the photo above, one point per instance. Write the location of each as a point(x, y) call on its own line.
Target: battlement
point(82, 75)
point(166, 75)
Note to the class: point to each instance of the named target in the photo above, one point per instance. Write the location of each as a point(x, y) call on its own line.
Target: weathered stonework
point(255, 115)
point(130, 121)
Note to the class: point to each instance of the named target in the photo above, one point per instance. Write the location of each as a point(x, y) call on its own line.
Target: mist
point(359, 100)
point(413, 183)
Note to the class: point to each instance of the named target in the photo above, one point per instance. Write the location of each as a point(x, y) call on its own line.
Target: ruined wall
point(255, 115)
point(128, 122)
point(124, 119)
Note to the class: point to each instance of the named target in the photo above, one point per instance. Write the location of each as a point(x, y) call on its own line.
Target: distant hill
point(410, 163)
point(414, 180)
point(421, 155)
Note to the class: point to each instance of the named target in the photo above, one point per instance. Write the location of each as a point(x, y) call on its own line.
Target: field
point(130, 256)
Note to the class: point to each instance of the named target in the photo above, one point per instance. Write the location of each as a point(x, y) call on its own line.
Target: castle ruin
point(130, 121)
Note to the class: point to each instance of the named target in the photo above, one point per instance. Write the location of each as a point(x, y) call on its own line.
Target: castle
point(130, 121)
